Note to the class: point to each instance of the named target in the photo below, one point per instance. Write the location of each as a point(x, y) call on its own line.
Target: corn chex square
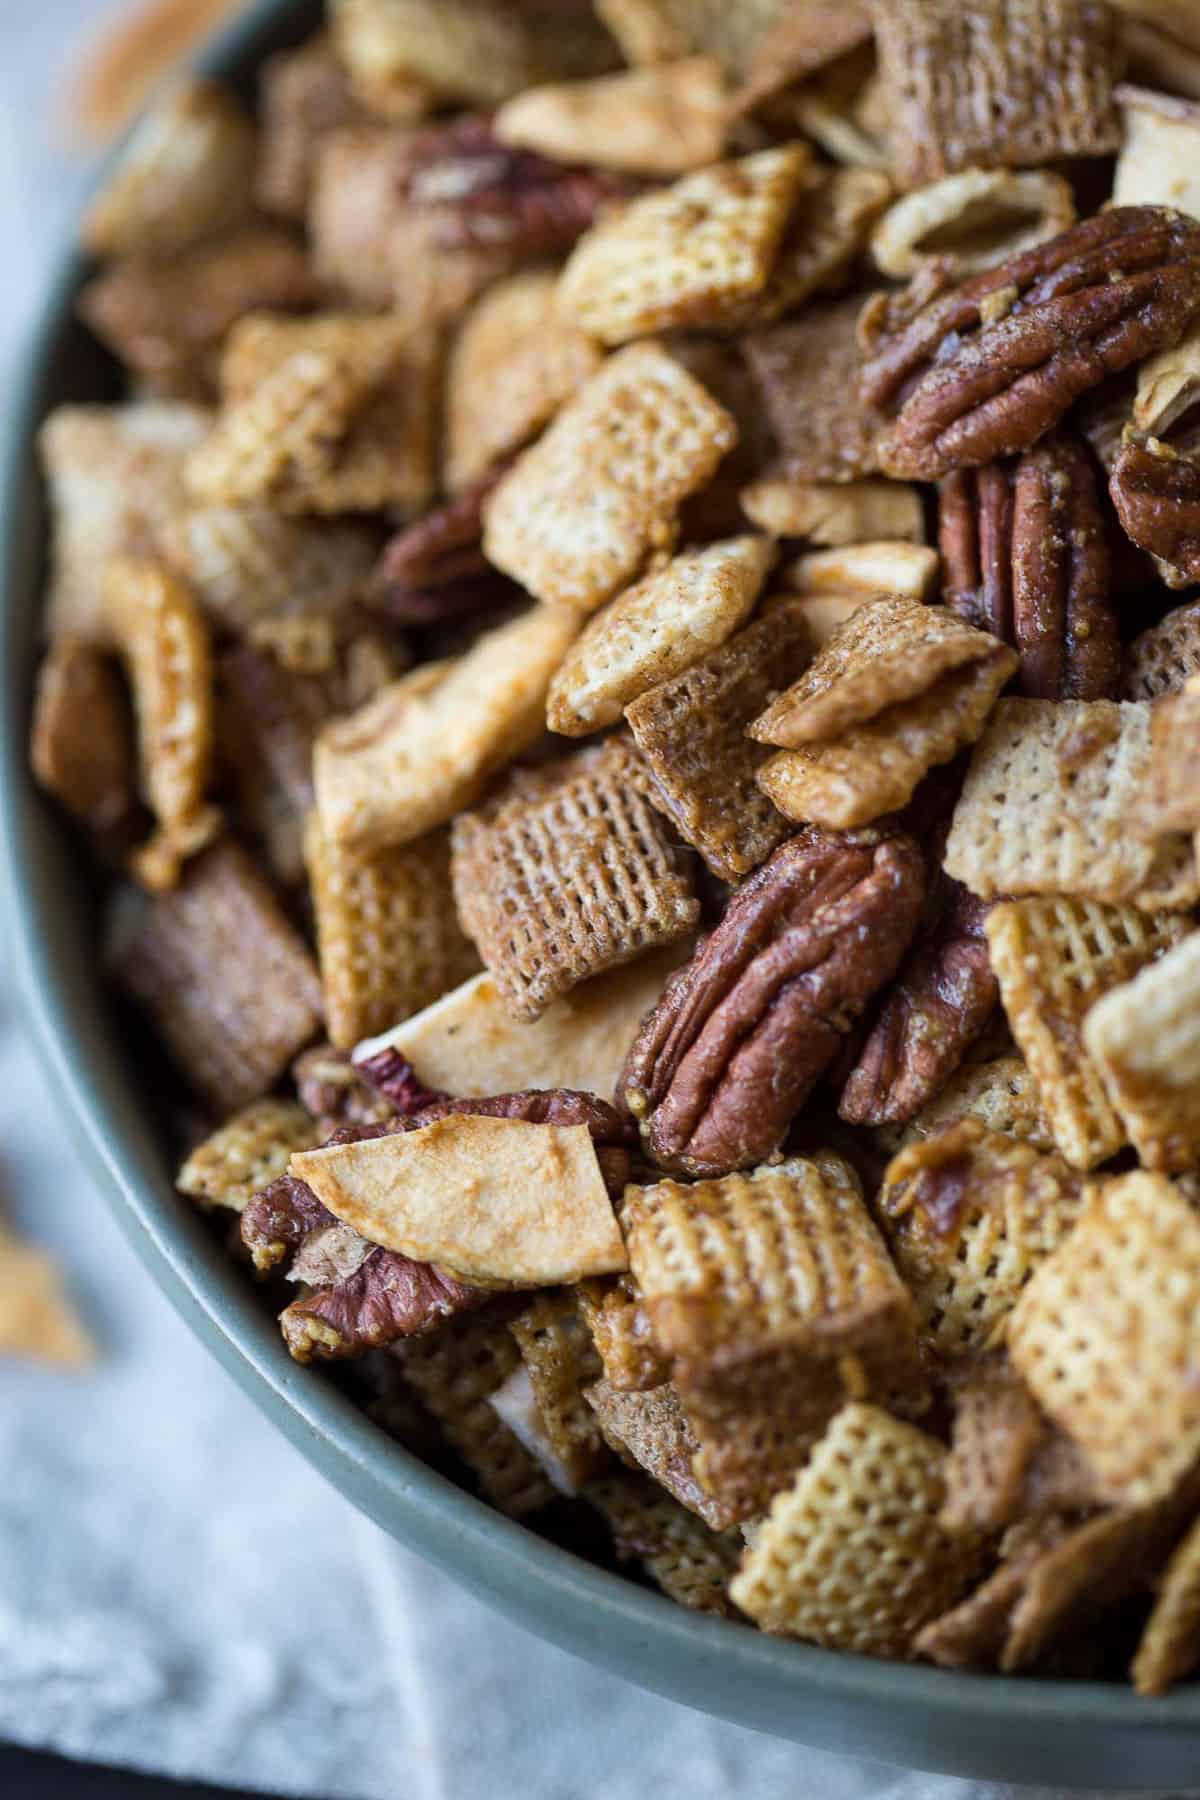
point(247, 1153)
point(690, 1563)
point(1165, 656)
point(1144, 1038)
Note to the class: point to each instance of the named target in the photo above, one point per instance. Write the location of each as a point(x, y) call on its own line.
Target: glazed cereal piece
point(1103, 1336)
point(973, 1633)
point(370, 52)
point(851, 1556)
point(1000, 1092)
point(1164, 656)
point(691, 255)
point(456, 1370)
point(246, 564)
point(81, 745)
point(36, 1317)
point(577, 516)
point(970, 1215)
point(833, 513)
point(225, 979)
point(186, 172)
point(830, 224)
point(268, 720)
point(772, 1293)
point(854, 573)
point(1144, 1038)
point(659, 121)
point(615, 1314)
point(649, 1430)
point(115, 476)
point(996, 83)
point(804, 38)
point(655, 629)
point(388, 940)
point(164, 644)
point(425, 746)
point(807, 373)
point(1170, 800)
point(568, 875)
point(1054, 959)
point(658, 31)
point(304, 94)
point(691, 1564)
point(691, 731)
point(560, 1362)
point(513, 363)
point(1007, 1462)
point(247, 1153)
point(1170, 1644)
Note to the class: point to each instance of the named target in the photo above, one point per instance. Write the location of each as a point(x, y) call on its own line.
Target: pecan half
point(727, 1057)
point(1025, 557)
point(944, 996)
point(1156, 491)
point(435, 568)
point(987, 368)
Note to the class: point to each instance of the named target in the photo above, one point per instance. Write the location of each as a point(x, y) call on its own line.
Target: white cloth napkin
point(179, 1591)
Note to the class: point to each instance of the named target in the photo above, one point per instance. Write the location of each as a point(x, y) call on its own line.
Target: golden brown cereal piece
point(874, 768)
point(774, 1297)
point(513, 363)
point(568, 875)
point(804, 38)
point(826, 512)
point(971, 1214)
point(891, 650)
point(36, 1319)
point(81, 746)
point(615, 1314)
point(975, 218)
point(268, 719)
point(691, 731)
point(1144, 1037)
point(493, 1201)
point(656, 31)
point(115, 479)
point(1164, 656)
point(690, 255)
point(691, 1564)
point(576, 518)
point(1104, 1337)
point(304, 94)
point(851, 1556)
point(1160, 41)
point(561, 1361)
point(1006, 1461)
point(455, 1370)
point(1157, 164)
point(369, 42)
point(1054, 958)
point(972, 1634)
point(388, 940)
point(1170, 800)
point(657, 121)
point(186, 172)
point(656, 629)
point(807, 373)
point(1170, 1645)
point(226, 980)
point(469, 1043)
point(1173, 881)
point(426, 745)
point(1047, 802)
point(1009, 83)
point(864, 572)
point(247, 1153)
point(828, 227)
point(164, 644)
point(1002, 1093)
point(247, 563)
point(649, 1430)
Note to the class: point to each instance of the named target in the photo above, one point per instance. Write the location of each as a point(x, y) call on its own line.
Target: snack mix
point(626, 669)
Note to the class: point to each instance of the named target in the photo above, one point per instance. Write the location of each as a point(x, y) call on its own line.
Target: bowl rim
point(552, 1592)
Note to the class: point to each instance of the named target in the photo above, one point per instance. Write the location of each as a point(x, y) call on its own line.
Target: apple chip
point(497, 1201)
point(35, 1318)
point(1158, 161)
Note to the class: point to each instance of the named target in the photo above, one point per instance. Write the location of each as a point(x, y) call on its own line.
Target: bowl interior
point(1071, 1733)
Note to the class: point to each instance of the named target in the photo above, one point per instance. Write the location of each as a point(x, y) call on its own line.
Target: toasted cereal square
point(576, 518)
point(304, 94)
point(81, 746)
point(970, 1214)
point(513, 362)
point(655, 629)
point(268, 719)
point(225, 979)
point(833, 513)
point(691, 731)
point(456, 1370)
point(247, 1153)
point(388, 939)
point(649, 1430)
point(425, 746)
point(1165, 656)
point(1144, 1037)
point(186, 172)
point(1001, 1092)
point(1001, 1452)
point(561, 1362)
point(369, 39)
point(36, 1317)
point(830, 224)
point(771, 1293)
point(115, 476)
point(1170, 1644)
point(1054, 959)
point(1105, 1337)
point(859, 572)
point(973, 1633)
point(851, 1556)
point(567, 876)
point(690, 255)
point(805, 37)
point(657, 31)
point(690, 1563)
point(874, 768)
point(996, 83)
point(615, 1314)
point(659, 121)
point(1170, 800)
point(248, 563)
point(1048, 799)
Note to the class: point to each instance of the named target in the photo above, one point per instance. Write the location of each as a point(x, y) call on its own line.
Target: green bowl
point(1066, 1733)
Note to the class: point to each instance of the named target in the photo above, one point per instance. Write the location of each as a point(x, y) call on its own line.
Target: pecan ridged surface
point(1156, 492)
point(728, 1056)
point(1025, 557)
point(988, 368)
point(435, 568)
